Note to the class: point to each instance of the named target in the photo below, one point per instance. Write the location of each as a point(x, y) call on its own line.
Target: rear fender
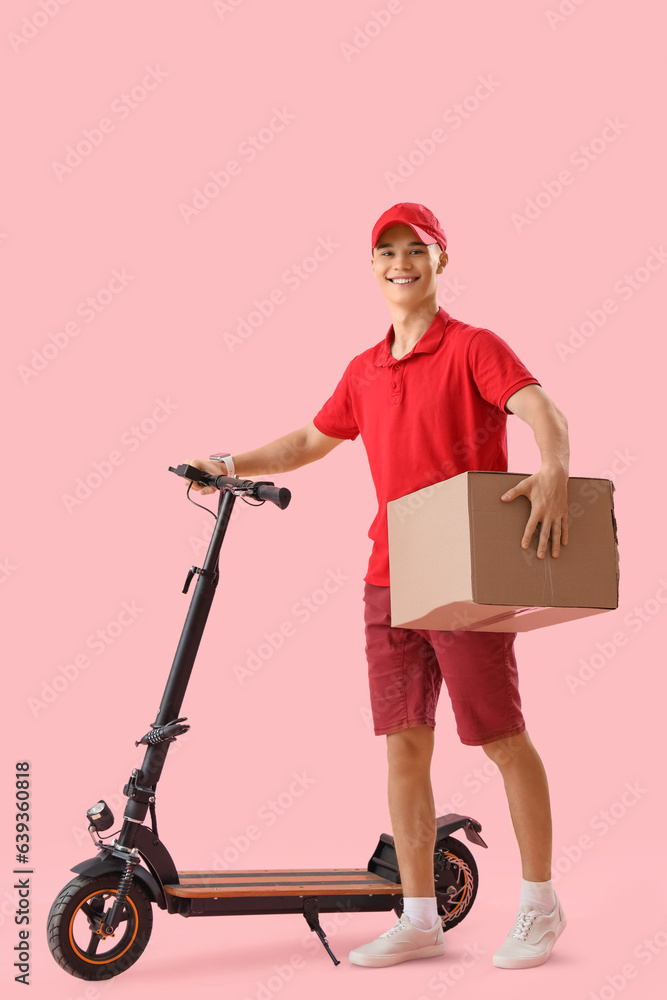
point(452, 821)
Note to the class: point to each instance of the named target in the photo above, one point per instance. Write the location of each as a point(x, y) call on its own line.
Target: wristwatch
point(226, 458)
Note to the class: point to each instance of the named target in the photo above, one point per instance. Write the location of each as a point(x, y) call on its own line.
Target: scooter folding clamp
point(138, 794)
point(191, 573)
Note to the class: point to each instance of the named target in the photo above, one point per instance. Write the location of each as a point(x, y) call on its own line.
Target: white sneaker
point(530, 941)
point(403, 942)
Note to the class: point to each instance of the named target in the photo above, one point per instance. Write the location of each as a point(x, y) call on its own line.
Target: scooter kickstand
point(311, 913)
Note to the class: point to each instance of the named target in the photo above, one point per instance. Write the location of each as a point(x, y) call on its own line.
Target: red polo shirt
point(430, 415)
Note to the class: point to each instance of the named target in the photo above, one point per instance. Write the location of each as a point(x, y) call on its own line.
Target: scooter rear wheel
point(456, 881)
point(76, 939)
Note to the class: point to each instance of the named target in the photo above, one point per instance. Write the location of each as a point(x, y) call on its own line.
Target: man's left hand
point(547, 492)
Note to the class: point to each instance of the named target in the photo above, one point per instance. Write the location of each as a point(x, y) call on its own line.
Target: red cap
point(419, 218)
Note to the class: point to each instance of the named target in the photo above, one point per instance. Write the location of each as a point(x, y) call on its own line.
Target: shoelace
point(398, 926)
point(523, 924)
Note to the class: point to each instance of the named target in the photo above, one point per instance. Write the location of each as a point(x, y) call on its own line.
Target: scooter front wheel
point(74, 928)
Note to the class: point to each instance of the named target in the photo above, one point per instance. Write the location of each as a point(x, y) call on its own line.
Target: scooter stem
point(195, 623)
point(179, 676)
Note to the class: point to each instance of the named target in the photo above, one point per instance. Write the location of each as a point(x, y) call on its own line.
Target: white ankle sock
point(421, 910)
point(538, 894)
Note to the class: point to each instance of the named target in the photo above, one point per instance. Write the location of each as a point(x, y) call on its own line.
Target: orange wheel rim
point(112, 958)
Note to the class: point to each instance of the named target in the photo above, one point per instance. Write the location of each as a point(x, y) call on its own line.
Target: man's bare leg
point(540, 920)
point(527, 791)
point(411, 807)
point(412, 810)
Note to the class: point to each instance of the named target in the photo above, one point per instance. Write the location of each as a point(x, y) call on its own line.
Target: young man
point(431, 401)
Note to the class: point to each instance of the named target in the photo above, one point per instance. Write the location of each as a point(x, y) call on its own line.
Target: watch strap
point(227, 459)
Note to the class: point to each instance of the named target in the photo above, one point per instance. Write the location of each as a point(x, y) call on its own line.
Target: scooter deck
point(283, 882)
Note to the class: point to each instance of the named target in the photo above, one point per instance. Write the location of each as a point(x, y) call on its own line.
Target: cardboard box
point(456, 560)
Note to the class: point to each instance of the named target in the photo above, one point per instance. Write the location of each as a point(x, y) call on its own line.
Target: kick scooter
point(100, 923)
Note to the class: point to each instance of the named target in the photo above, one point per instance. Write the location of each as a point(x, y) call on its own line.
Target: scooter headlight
point(100, 816)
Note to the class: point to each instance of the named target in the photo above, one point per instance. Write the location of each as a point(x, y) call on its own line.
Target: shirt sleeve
point(496, 369)
point(336, 418)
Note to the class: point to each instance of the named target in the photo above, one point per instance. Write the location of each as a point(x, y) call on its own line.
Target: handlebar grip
point(276, 494)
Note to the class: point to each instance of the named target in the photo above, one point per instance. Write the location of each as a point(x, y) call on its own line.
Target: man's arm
point(285, 454)
point(546, 489)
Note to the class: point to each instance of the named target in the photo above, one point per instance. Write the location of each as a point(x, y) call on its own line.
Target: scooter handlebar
point(259, 490)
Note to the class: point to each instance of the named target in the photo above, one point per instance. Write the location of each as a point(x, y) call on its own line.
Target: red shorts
point(406, 667)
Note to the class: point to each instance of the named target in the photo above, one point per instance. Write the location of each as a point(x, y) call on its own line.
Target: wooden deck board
point(283, 882)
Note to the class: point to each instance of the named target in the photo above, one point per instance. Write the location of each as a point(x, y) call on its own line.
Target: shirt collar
point(428, 343)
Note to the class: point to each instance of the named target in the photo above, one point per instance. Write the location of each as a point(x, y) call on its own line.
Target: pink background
point(552, 83)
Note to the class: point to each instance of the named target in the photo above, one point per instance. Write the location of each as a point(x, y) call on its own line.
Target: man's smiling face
point(406, 269)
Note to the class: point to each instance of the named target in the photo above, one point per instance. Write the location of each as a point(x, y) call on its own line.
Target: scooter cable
point(207, 509)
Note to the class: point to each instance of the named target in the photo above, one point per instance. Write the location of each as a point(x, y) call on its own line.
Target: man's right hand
point(214, 468)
